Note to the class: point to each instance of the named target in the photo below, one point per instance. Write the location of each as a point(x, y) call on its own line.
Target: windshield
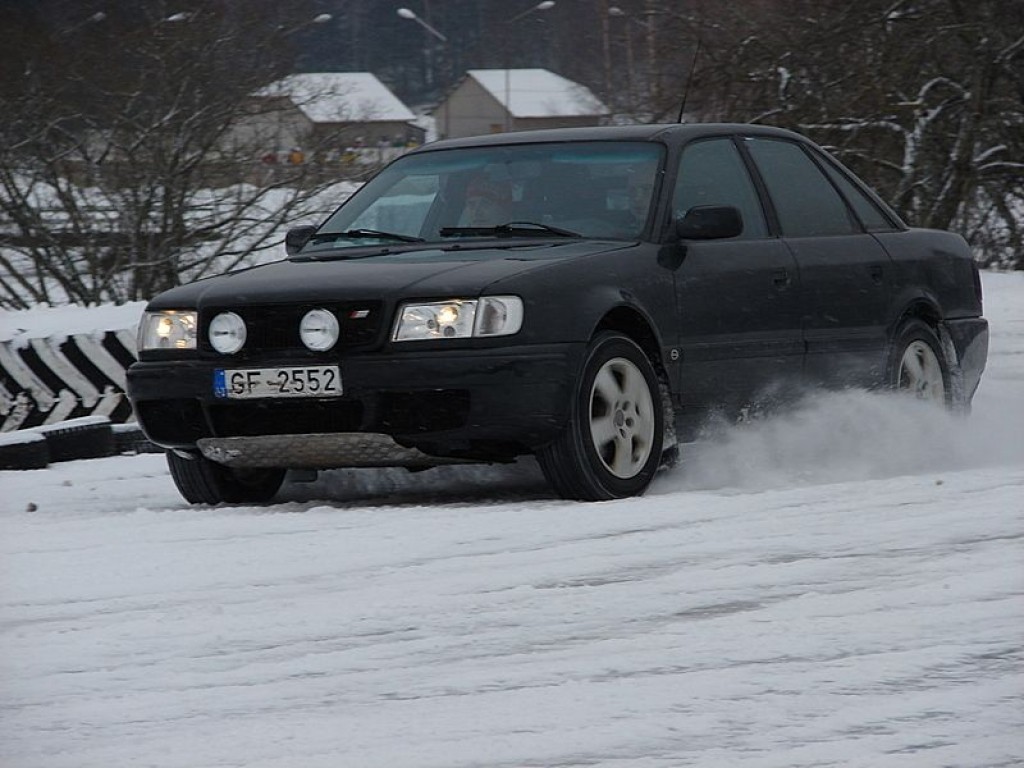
point(588, 189)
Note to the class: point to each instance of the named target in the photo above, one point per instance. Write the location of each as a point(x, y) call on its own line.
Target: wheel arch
point(634, 324)
point(921, 308)
point(958, 393)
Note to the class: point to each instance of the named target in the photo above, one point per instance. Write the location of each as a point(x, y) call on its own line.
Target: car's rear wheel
point(918, 366)
point(202, 481)
point(612, 445)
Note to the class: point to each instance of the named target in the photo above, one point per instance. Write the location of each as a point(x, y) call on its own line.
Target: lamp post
point(544, 5)
point(615, 11)
point(647, 31)
point(410, 15)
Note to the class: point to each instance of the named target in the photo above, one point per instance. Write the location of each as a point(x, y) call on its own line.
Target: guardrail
point(63, 398)
point(46, 381)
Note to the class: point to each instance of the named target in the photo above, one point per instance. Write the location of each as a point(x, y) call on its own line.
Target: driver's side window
point(711, 172)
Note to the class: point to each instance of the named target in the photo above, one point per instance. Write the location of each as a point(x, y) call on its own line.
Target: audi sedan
point(587, 296)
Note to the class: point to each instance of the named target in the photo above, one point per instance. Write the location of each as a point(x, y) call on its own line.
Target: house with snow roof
point(498, 100)
point(322, 112)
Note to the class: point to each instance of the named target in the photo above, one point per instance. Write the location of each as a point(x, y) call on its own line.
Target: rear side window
point(872, 218)
point(807, 204)
point(711, 172)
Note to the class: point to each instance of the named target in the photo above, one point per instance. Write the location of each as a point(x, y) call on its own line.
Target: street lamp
point(96, 18)
point(618, 13)
point(406, 13)
point(544, 5)
point(650, 79)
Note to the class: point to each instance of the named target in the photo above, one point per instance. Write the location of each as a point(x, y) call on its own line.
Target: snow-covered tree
point(923, 98)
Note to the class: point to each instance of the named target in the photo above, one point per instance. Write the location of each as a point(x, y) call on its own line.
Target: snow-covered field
point(841, 586)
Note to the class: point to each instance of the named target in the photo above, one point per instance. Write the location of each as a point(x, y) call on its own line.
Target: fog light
point(227, 333)
point(319, 330)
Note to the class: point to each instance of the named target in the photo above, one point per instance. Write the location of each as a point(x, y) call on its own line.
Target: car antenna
point(689, 80)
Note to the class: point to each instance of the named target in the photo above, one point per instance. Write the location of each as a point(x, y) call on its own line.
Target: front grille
point(286, 418)
point(275, 327)
point(393, 413)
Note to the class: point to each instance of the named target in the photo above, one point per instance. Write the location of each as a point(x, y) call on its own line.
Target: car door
point(844, 272)
point(738, 299)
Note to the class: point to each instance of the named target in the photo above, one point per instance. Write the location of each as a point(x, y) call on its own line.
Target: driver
point(488, 203)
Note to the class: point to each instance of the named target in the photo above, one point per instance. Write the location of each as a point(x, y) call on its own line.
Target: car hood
point(407, 272)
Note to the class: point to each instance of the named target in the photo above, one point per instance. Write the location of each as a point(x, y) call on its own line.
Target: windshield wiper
point(509, 229)
point(365, 233)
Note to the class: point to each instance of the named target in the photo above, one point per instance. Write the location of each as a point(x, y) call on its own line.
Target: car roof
point(670, 132)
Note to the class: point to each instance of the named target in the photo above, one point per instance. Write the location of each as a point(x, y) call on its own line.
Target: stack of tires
point(89, 437)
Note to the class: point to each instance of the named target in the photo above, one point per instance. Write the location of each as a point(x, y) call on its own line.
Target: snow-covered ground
point(841, 586)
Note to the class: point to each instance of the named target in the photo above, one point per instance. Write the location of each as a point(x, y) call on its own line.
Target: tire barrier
point(47, 381)
point(89, 437)
point(129, 439)
point(63, 398)
point(23, 450)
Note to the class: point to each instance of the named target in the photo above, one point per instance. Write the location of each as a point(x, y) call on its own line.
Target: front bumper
point(468, 403)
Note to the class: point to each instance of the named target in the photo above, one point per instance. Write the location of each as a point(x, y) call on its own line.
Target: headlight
point(459, 319)
point(167, 329)
point(319, 330)
point(499, 316)
point(227, 333)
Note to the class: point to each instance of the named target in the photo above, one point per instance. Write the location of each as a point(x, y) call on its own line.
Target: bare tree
point(923, 98)
point(120, 174)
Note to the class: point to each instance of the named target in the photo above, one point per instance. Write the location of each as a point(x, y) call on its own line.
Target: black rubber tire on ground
point(129, 438)
point(612, 445)
point(32, 453)
point(202, 481)
point(918, 366)
point(70, 441)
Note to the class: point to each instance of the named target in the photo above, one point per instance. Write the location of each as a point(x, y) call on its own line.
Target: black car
point(584, 295)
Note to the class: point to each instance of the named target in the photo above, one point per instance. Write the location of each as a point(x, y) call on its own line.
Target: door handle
point(780, 278)
point(877, 273)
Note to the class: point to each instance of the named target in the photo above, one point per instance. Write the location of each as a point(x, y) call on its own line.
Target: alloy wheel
point(920, 373)
point(622, 422)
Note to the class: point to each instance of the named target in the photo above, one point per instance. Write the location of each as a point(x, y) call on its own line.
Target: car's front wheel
point(918, 366)
point(612, 445)
point(202, 481)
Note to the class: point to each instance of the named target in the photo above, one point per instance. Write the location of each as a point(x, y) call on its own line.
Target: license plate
point(247, 383)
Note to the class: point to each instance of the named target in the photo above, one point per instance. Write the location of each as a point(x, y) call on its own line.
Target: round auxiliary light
point(227, 333)
point(319, 330)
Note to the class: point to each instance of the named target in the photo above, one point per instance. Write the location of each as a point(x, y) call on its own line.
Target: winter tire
point(202, 481)
point(918, 365)
point(612, 445)
point(24, 450)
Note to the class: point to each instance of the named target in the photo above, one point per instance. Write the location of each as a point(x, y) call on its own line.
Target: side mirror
point(710, 222)
point(296, 238)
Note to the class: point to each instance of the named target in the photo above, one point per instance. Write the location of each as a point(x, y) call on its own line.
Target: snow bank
point(45, 321)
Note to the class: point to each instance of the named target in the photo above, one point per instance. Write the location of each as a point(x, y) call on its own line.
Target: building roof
point(340, 97)
point(538, 93)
